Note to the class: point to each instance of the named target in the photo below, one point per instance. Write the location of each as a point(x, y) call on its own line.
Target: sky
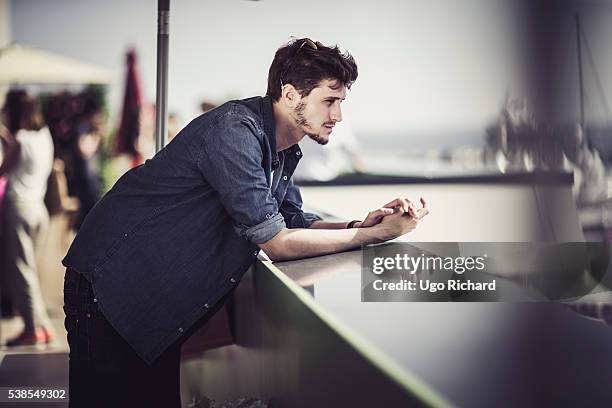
point(424, 66)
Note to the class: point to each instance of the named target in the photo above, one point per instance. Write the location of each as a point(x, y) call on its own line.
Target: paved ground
point(34, 366)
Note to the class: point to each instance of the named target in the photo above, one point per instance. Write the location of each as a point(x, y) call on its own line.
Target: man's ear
point(290, 96)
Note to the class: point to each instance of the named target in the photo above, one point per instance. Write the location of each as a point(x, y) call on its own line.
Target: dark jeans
point(104, 370)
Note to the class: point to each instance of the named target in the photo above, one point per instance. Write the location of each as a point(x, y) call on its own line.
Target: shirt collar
point(269, 125)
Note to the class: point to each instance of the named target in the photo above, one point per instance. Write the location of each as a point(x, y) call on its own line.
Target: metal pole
point(580, 83)
point(161, 101)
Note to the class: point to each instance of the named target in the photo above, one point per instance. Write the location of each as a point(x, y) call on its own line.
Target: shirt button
point(88, 315)
point(180, 330)
point(206, 306)
point(125, 235)
point(95, 300)
point(255, 253)
point(298, 153)
point(268, 215)
point(285, 178)
point(232, 280)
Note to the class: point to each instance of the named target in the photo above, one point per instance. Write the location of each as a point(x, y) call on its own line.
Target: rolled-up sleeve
point(265, 230)
point(230, 160)
point(291, 209)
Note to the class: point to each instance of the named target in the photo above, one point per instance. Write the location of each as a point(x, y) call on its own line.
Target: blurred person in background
point(27, 163)
point(2, 178)
point(77, 123)
point(205, 106)
point(6, 306)
point(3, 142)
point(85, 183)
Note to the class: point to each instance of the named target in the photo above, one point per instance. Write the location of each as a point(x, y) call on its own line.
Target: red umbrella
point(129, 128)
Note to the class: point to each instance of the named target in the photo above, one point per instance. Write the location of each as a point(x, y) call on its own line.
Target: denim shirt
point(176, 234)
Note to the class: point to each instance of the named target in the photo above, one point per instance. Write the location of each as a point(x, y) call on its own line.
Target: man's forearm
point(322, 224)
point(302, 243)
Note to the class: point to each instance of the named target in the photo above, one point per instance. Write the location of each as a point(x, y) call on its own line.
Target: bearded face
point(317, 113)
point(306, 126)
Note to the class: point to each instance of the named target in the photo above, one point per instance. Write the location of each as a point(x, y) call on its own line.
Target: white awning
point(29, 65)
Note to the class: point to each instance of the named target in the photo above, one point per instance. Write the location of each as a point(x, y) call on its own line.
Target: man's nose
point(336, 113)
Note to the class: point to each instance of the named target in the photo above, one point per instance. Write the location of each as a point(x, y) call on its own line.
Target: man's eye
point(330, 103)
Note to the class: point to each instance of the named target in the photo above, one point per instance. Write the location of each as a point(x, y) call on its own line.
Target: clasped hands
point(395, 218)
